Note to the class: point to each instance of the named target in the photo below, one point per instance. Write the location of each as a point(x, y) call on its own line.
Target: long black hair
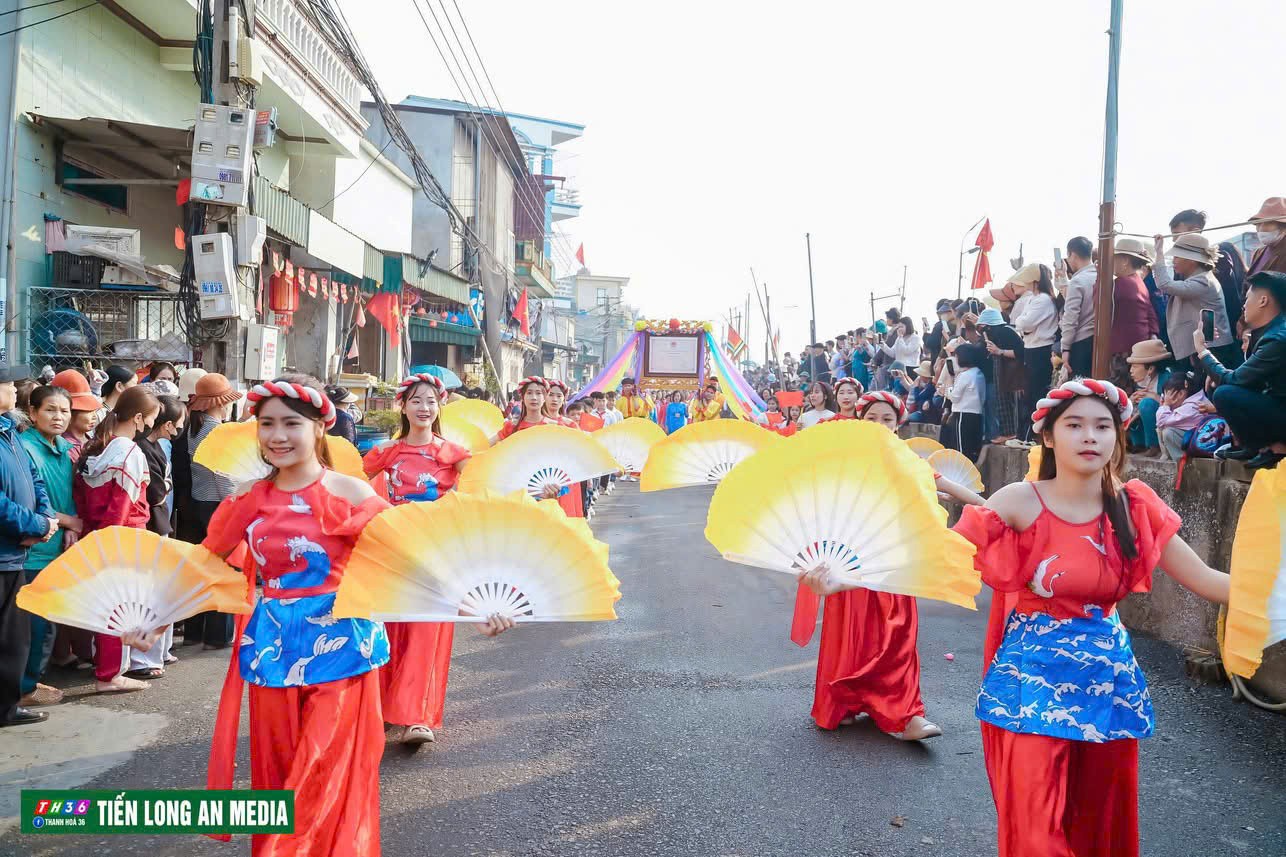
point(827, 393)
point(405, 429)
point(132, 402)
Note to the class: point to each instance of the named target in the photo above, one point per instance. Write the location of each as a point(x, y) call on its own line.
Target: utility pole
point(1107, 211)
point(902, 294)
point(812, 300)
point(745, 338)
point(227, 35)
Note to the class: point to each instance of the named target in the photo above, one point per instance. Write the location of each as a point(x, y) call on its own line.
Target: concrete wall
point(1209, 502)
point(434, 136)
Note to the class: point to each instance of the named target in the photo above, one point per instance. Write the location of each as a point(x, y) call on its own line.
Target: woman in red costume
point(315, 721)
point(533, 398)
point(847, 392)
point(1063, 702)
point(867, 662)
point(110, 490)
point(418, 466)
point(573, 502)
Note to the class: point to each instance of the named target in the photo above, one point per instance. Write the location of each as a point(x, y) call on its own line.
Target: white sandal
point(417, 734)
point(918, 729)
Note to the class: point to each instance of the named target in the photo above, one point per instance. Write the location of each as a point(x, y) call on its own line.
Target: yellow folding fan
point(1257, 606)
point(854, 498)
point(630, 441)
point(232, 450)
point(535, 457)
point(484, 415)
point(478, 554)
point(923, 446)
point(956, 467)
point(1033, 463)
point(464, 433)
point(704, 453)
point(121, 579)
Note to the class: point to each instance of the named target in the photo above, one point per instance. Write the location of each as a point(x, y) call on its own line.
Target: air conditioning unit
point(125, 241)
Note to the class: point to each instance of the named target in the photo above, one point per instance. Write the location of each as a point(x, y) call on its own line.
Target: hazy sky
point(718, 133)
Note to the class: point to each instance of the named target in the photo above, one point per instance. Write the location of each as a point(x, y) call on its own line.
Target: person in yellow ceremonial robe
point(708, 405)
point(630, 404)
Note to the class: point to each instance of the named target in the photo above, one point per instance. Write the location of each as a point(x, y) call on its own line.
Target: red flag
point(981, 272)
point(981, 266)
point(735, 344)
point(580, 253)
point(520, 313)
point(984, 239)
point(387, 310)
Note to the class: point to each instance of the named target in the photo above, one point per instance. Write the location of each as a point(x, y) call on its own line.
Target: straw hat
point(1027, 275)
point(1149, 351)
point(211, 391)
point(1273, 210)
point(187, 382)
point(925, 369)
point(78, 386)
point(1196, 247)
point(1134, 247)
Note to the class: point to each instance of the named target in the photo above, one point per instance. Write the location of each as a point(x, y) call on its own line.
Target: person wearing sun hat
point(343, 398)
point(1133, 317)
point(209, 406)
point(1148, 364)
point(1194, 261)
point(1270, 226)
point(1252, 398)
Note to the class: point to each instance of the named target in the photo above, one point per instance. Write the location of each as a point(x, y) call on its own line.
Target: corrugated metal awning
point(444, 332)
point(285, 215)
point(373, 267)
point(435, 281)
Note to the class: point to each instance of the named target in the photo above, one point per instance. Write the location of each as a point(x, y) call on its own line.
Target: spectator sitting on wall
point(924, 403)
point(1147, 362)
point(1077, 326)
point(1180, 412)
point(1252, 398)
point(1230, 271)
point(1197, 290)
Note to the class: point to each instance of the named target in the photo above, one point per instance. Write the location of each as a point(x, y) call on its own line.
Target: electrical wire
point(354, 182)
point(32, 6)
point(46, 20)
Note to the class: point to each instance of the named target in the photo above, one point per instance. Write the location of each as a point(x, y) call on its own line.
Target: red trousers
point(324, 741)
point(867, 661)
point(109, 657)
point(413, 684)
point(1060, 798)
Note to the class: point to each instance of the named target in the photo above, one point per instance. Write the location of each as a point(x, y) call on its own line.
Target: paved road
point(683, 729)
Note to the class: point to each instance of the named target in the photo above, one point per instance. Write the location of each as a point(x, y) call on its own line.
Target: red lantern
point(282, 296)
point(674, 324)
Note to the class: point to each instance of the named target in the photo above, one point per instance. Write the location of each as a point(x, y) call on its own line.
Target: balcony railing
point(285, 19)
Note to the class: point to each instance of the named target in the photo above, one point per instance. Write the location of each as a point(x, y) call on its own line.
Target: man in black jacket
point(26, 517)
point(1252, 398)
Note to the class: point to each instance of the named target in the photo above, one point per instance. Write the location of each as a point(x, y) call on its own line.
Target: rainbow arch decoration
point(677, 355)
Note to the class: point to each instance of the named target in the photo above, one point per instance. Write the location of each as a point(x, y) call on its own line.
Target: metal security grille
point(67, 326)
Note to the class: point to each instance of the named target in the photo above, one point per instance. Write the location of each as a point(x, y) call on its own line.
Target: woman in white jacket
point(906, 348)
point(1035, 317)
